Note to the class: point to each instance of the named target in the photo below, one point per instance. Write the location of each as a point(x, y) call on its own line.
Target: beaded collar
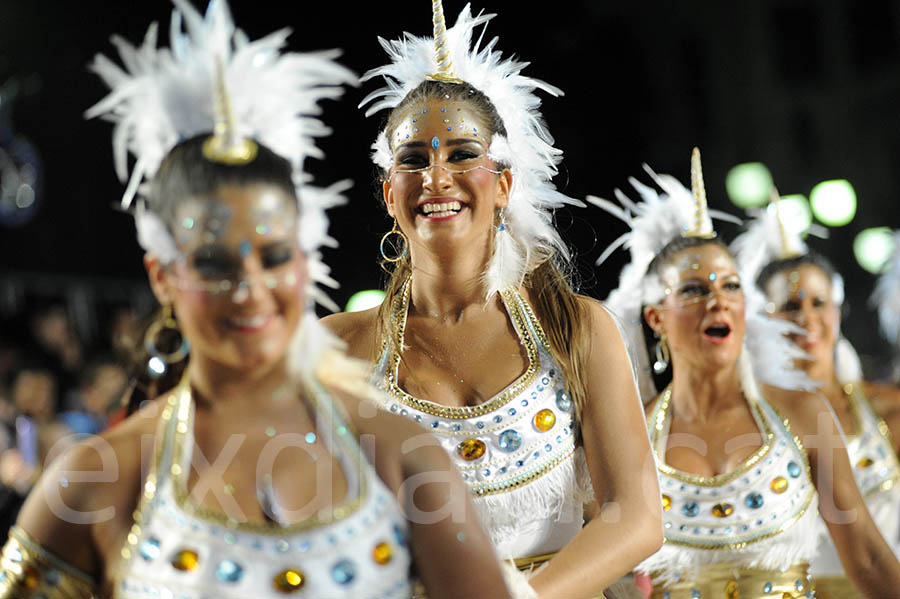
point(761, 498)
point(871, 449)
point(178, 549)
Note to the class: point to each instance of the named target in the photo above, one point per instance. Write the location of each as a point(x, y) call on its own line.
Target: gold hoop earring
point(394, 231)
point(662, 355)
point(159, 328)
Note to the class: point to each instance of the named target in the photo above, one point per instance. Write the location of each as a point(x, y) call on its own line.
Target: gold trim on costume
point(858, 399)
point(532, 561)
point(520, 316)
point(834, 587)
point(31, 572)
point(732, 581)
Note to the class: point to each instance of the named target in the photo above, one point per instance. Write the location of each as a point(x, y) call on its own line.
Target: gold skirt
point(730, 581)
point(834, 587)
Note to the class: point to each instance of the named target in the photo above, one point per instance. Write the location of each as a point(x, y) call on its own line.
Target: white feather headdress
point(768, 238)
point(656, 220)
point(886, 297)
point(164, 95)
point(527, 149)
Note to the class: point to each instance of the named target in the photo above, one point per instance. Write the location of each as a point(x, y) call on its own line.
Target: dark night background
point(810, 88)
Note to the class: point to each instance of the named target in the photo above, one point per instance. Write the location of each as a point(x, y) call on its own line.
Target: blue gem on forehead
point(712, 276)
point(244, 248)
point(435, 142)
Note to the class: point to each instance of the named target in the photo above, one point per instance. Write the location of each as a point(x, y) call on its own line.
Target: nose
point(251, 287)
point(436, 178)
point(717, 299)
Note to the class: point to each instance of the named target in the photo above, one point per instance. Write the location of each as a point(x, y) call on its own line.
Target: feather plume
point(527, 149)
point(163, 95)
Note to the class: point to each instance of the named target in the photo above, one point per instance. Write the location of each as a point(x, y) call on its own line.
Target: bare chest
point(714, 447)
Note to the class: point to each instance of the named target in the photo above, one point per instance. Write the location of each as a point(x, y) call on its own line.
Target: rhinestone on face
point(544, 420)
point(779, 484)
point(509, 440)
point(794, 469)
point(229, 571)
point(186, 560)
point(343, 572)
point(865, 462)
point(382, 553)
point(289, 581)
point(471, 449)
point(563, 401)
point(722, 510)
point(149, 549)
point(690, 509)
point(754, 500)
point(666, 503)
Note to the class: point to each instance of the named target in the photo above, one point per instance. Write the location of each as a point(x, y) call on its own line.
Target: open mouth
point(440, 210)
point(717, 331)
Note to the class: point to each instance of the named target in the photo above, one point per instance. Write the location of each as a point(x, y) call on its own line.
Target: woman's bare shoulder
point(356, 329)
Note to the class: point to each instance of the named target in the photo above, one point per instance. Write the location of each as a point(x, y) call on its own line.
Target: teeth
point(447, 207)
point(252, 322)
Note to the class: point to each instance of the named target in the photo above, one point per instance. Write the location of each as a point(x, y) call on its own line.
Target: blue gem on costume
point(498, 418)
point(343, 572)
point(754, 500)
point(767, 588)
point(798, 584)
point(548, 447)
point(435, 142)
point(52, 578)
point(690, 509)
point(479, 425)
point(501, 227)
point(520, 463)
point(512, 411)
point(457, 427)
point(149, 549)
point(399, 536)
point(793, 469)
point(229, 571)
point(435, 424)
point(509, 440)
point(545, 381)
point(695, 593)
point(563, 401)
point(303, 546)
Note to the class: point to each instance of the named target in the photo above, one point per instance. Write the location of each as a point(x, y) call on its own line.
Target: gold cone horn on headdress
point(785, 251)
point(702, 226)
point(225, 145)
point(441, 46)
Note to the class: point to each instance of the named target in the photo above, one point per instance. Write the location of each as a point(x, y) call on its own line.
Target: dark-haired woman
point(742, 465)
point(248, 479)
point(803, 288)
point(482, 340)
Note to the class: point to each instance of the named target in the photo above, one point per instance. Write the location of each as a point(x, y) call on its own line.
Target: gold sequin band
point(732, 581)
point(31, 572)
point(532, 562)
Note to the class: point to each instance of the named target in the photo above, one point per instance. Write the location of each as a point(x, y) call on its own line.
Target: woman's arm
point(628, 524)
point(453, 555)
point(868, 561)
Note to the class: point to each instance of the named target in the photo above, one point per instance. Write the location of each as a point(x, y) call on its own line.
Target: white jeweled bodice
point(761, 515)
point(517, 452)
point(178, 550)
point(877, 474)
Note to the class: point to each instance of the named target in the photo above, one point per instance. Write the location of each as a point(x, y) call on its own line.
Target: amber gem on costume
point(471, 449)
point(289, 581)
point(382, 553)
point(722, 510)
point(666, 503)
point(865, 462)
point(186, 560)
point(544, 420)
point(31, 579)
point(779, 484)
point(731, 590)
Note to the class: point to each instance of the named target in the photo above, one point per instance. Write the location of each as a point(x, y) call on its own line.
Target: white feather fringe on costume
point(165, 95)
point(527, 150)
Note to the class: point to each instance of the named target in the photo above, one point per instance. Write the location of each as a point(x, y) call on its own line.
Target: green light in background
point(795, 213)
point(872, 248)
point(363, 300)
point(833, 202)
point(748, 184)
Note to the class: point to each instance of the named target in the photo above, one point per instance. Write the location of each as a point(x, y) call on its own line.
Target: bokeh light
point(363, 300)
point(873, 247)
point(833, 202)
point(795, 213)
point(748, 185)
